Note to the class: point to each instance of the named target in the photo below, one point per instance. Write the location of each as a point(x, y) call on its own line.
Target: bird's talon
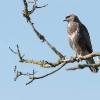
point(79, 58)
point(73, 58)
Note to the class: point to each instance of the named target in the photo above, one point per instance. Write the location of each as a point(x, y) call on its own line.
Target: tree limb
point(32, 77)
point(81, 66)
point(41, 37)
point(42, 63)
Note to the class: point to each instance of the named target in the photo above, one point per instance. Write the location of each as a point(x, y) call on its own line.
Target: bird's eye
point(67, 16)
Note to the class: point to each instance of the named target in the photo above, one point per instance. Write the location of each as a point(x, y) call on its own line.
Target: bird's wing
point(85, 35)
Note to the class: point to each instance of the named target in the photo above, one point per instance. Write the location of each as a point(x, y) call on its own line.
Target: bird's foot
point(80, 58)
point(73, 57)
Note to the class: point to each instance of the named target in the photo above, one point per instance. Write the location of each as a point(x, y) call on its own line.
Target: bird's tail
point(91, 61)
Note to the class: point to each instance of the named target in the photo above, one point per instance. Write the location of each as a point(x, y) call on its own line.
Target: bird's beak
point(64, 19)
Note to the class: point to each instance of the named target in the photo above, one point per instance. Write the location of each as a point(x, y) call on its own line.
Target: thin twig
point(12, 51)
point(42, 6)
point(35, 7)
point(18, 53)
point(17, 73)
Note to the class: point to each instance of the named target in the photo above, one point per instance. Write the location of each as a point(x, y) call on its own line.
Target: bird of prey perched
point(79, 39)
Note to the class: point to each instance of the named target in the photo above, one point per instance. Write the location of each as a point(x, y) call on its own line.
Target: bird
point(79, 39)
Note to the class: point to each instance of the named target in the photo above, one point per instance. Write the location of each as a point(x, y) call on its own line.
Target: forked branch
point(32, 77)
point(42, 63)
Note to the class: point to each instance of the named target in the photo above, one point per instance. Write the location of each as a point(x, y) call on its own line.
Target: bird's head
point(71, 17)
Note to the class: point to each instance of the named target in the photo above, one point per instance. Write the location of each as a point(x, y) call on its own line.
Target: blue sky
point(63, 85)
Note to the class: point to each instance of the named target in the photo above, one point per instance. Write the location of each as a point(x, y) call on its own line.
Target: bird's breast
point(71, 38)
point(72, 35)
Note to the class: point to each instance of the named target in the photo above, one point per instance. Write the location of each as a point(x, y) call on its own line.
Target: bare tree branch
point(35, 7)
point(26, 13)
point(81, 66)
point(41, 37)
point(32, 77)
point(17, 73)
point(73, 59)
point(32, 1)
point(42, 63)
point(47, 64)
